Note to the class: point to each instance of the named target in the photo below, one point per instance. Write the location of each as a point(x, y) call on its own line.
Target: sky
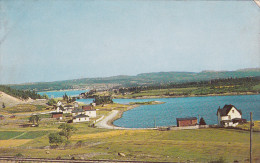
point(52, 40)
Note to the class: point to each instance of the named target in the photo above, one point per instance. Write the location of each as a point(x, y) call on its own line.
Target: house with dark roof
point(90, 111)
point(81, 118)
point(59, 108)
point(229, 115)
point(68, 108)
point(188, 121)
point(77, 112)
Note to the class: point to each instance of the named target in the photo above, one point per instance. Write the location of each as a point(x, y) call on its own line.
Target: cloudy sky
point(48, 40)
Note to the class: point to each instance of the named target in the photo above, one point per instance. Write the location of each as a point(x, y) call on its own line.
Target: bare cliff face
point(9, 100)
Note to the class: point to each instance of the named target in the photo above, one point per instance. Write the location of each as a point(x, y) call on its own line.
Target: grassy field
point(24, 108)
point(200, 145)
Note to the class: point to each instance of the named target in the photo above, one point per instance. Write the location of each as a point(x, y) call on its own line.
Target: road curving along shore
point(104, 123)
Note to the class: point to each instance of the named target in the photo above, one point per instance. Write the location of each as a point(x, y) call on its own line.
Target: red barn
point(87, 108)
point(57, 115)
point(189, 121)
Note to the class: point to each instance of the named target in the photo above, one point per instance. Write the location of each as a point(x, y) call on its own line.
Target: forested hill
point(20, 94)
point(140, 79)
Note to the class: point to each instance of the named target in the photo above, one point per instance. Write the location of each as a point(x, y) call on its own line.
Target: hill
point(155, 78)
point(9, 100)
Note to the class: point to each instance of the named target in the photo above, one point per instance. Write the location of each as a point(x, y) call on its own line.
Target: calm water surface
point(165, 114)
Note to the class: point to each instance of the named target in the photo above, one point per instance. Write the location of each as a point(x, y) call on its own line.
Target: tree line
point(245, 83)
point(21, 94)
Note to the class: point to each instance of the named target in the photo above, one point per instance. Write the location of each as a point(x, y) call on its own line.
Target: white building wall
point(224, 118)
point(233, 113)
point(91, 113)
point(83, 119)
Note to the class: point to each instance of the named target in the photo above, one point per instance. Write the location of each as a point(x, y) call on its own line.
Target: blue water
point(165, 114)
point(55, 94)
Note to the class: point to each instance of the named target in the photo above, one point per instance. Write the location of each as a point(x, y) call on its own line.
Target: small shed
point(57, 115)
point(188, 121)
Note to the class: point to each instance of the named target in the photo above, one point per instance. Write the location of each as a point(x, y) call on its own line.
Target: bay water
point(146, 116)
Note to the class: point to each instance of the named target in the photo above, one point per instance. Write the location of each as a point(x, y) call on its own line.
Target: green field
point(200, 145)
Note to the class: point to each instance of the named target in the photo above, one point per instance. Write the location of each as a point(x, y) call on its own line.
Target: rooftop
point(187, 118)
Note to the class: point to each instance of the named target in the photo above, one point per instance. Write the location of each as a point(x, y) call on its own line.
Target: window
point(232, 111)
point(229, 117)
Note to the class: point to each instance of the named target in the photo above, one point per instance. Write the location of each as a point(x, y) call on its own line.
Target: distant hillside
point(140, 79)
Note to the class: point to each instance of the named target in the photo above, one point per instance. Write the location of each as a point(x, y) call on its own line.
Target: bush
point(19, 155)
point(55, 138)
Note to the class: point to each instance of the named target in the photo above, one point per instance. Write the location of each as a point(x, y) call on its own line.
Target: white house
point(59, 109)
point(81, 118)
point(77, 112)
point(90, 111)
point(229, 115)
point(68, 108)
point(59, 103)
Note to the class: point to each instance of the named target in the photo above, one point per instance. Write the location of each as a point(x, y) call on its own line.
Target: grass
point(13, 143)
point(246, 126)
point(24, 108)
point(256, 87)
point(4, 135)
point(146, 145)
point(32, 134)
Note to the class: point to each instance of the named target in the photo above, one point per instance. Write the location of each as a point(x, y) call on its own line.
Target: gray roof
point(81, 116)
point(78, 110)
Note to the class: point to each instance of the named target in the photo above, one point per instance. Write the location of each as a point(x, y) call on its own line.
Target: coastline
point(181, 96)
point(107, 122)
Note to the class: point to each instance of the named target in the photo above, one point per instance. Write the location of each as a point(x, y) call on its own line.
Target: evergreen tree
point(202, 121)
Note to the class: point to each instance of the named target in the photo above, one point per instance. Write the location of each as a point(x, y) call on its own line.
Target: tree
point(45, 96)
point(65, 97)
point(55, 138)
point(66, 130)
point(51, 102)
point(202, 121)
point(35, 119)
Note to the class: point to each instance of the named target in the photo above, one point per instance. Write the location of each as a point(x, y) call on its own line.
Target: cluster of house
point(79, 114)
point(228, 116)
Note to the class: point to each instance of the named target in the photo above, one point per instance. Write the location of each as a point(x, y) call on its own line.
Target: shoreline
point(107, 122)
point(182, 96)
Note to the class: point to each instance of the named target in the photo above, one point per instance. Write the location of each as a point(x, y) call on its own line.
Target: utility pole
point(154, 122)
point(251, 125)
